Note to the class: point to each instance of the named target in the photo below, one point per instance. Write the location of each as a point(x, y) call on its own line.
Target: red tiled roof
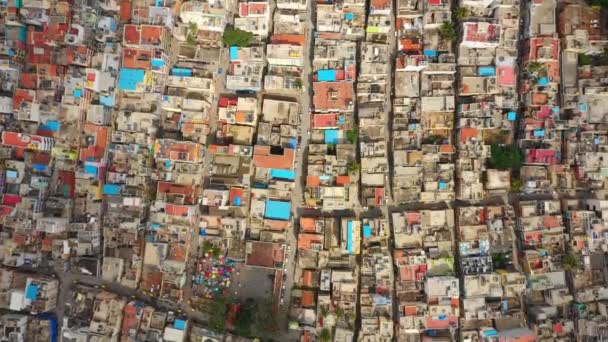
point(332, 95)
point(506, 76)
point(324, 121)
point(263, 158)
point(466, 133)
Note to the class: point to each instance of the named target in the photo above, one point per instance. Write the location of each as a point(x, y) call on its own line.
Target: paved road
point(301, 155)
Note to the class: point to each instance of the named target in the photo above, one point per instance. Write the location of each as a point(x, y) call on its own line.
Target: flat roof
point(278, 210)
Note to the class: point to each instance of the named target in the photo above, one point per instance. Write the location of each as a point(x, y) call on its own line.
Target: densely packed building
point(374, 171)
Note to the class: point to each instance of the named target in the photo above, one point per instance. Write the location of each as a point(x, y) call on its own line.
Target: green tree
point(571, 262)
point(433, 140)
point(339, 313)
point(535, 67)
point(506, 157)
point(461, 13)
point(244, 319)
point(192, 35)
point(325, 335)
point(447, 31)
point(298, 83)
point(352, 135)
point(516, 185)
point(237, 37)
point(218, 311)
point(599, 3)
point(354, 167)
point(331, 149)
point(584, 59)
point(265, 323)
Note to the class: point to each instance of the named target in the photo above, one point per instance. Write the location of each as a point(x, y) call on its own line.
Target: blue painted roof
point(326, 75)
point(539, 133)
point(39, 167)
point(91, 169)
point(331, 136)
point(129, 78)
point(349, 237)
point(111, 189)
point(367, 231)
point(179, 324)
point(487, 71)
point(430, 53)
point(282, 174)
point(31, 292)
point(278, 210)
point(181, 72)
point(234, 53)
point(158, 63)
point(52, 125)
point(107, 101)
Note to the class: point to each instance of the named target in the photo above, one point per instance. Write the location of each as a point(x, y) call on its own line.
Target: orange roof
point(276, 225)
point(324, 120)
point(136, 58)
point(332, 95)
point(466, 133)
point(307, 224)
point(446, 149)
point(29, 80)
point(125, 11)
point(313, 181)
point(262, 157)
point(307, 278)
point(292, 39)
point(308, 298)
point(97, 150)
point(342, 180)
point(307, 240)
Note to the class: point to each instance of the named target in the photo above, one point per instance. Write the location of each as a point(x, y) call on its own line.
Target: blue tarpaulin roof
point(430, 53)
point(129, 78)
point(282, 174)
point(90, 169)
point(39, 167)
point(31, 292)
point(331, 136)
point(349, 237)
point(107, 101)
point(52, 125)
point(156, 62)
point(179, 324)
point(511, 116)
point(278, 210)
point(181, 72)
point(367, 231)
point(111, 189)
point(234, 53)
point(543, 81)
point(539, 133)
point(349, 16)
point(487, 71)
point(326, 75)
